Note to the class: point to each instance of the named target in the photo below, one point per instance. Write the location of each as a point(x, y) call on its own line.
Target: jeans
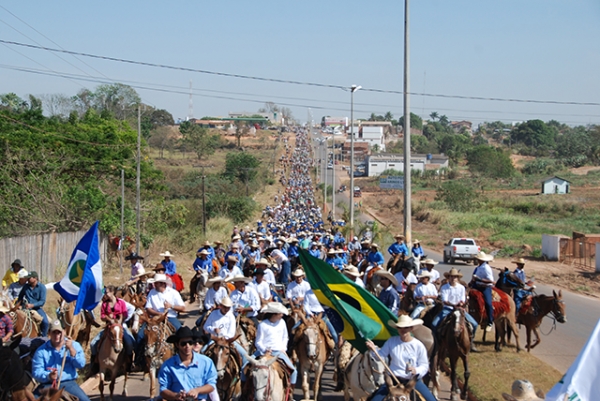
point(519, 296)
point(487, 296)
point(284, 275)
point(44, 324)
point(383, 391)
point(71, 386)
point(281, 355)
point(417, 311)
point(128, 342)
point(445, 312)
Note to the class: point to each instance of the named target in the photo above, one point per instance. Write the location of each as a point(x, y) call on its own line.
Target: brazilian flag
point(354, 312)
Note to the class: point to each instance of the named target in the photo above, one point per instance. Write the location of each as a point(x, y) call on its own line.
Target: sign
point(391, 182)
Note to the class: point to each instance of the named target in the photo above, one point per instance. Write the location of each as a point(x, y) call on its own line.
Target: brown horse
point(399, 392)
point(112, 358)
point(455, 342)
point(313, 351)
point(157, 349)
point(531, 315)
point(77, 326)
point(23, 323)
point(229, 364)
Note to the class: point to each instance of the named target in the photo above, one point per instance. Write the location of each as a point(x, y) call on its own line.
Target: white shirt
point(263, 289)
point(130, 311)
point(453, 294)
point(312, 306)
point(156, 300)
point(214, 297)
point(225, 273)
point(270, 276)
point(247, 299)
point(435, 275)
point(411, 279)
point(271, 336)
point(401, 352)
point(279, 257)
point(296, 290)
point(359, 281)
point(225, 323)
point(484, 271)
point(425, 290)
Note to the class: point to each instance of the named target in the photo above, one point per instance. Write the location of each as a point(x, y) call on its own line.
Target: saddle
point(527, 305)
point(500, 303)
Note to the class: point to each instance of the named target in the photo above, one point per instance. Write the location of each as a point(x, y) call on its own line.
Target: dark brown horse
point(455, 342)
point(229, 365)
point(157, 350)
point(532, 313)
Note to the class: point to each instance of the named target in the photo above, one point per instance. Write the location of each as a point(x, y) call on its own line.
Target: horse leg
point(463, 394)
point(318, 374)
point(499, 333)
point(453, 377)
point(152, 375)
point(528, 344)
point(125, 383)
point(512, 325)
point(538, 339)
point(113, 381)
point(101, 386)
point(306, 382)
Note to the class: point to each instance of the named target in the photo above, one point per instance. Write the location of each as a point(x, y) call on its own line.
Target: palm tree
point(373, 117)
point(388, 116)
point(444, 120)
point(434, 115)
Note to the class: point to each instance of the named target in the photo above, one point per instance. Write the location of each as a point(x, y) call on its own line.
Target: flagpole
point(137, 182)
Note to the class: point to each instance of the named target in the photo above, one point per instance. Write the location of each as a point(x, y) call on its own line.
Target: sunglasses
point(189, 342)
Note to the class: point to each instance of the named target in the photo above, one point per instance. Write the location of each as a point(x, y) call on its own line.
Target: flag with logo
point(83, 280)
point(354, 312)
point(581, 383)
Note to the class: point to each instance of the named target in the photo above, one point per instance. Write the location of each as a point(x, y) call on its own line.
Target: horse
point(14, 380)
point(532, 313)
point(455, 341)
point(77, 326)
point(198, 288)
point(269, 380)
point(112, 358)
point(504, 315)
point(245, 332)
point(363, 375)
point(313, 350)
point(157, 349)
point(228, 363)
point(399, 392)
point(23, 323)
point(113, 244)
point(408, 302)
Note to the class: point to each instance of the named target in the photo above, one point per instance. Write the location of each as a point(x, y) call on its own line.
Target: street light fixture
point(353, 89)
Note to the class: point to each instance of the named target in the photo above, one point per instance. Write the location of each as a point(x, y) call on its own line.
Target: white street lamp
point(353, 89)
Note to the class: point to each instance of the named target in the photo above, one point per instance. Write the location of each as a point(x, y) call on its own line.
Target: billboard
point(391, 182)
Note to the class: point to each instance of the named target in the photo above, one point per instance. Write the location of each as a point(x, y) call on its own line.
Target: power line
point(293, 82)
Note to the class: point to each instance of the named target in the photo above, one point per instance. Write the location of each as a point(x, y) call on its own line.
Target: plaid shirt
point(6, 325)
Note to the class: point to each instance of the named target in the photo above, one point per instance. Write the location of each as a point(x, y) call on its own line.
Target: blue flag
point(83, 280)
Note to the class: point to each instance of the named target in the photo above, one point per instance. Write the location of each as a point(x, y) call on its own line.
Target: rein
point(556, 315)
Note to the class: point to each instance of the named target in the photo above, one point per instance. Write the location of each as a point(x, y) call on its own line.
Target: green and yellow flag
point(355, 313)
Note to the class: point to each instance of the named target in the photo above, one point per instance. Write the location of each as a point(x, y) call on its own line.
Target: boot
point(339, 376)
point(473, 347)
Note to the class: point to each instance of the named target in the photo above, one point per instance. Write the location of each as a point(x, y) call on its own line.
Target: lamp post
point(333, 177)
point(353, 89)
point(407, 170)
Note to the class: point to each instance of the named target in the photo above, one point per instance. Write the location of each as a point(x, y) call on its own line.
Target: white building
point(371, 135)
point(555, 185)
point(377, 164)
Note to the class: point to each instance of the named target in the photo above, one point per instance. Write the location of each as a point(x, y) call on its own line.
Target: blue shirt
point(397, 248)
point(175, 376)
point(389, 297)
point(210, 250)
point(204, 264)
point(315, 252)
point(35, 296)
point(47, 356)
point(170, 267)
point(293, 250)
point(417, 252)
point(237, 255)
point(335, 262)
point(375, 257)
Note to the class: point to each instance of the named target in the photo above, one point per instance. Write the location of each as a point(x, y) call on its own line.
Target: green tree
point(576, 142)
point(415, 121)
point(241, 129)
point(535, 134)
point(198, 139)
point(241, 166)
point(457, 196)
point(489, 162)
point(434, 115)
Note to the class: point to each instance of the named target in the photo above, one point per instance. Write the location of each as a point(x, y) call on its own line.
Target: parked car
point(359, 174)
point(329, 166)
point(357, 192)
point(464, 249)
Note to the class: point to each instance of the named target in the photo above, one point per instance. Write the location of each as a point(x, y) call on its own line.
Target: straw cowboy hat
point(425, 274)
point(158, 278)
point(207, 243)
point(388, 275)
point(352, 270)
point(236, 237)
point(484, 257)
point(298, 273)
point(374, 245)
point(398, 236)
point(416, 241)
point(263, 261)
point(142, 272)
point(203, 252)
point(365, 242)
point(218, 242)
point(331, 251)
point(232, 258)
point(275, 307)
point(522, 390)
point(133, 256)
point(429, 262)
point(214, 280)
point(292, 240)
point(238, 278)
point(519, 261)
point(226, 302)
point(453, 272)
point(405, 321)
point(167, 254)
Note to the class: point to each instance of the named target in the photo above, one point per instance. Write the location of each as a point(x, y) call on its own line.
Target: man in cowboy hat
point(265, 265)
point(283, 263)
point(163, 298)
point(293, 252)
point(46, 364)
point(245, 298)
point(354, 275)
point(374, 257)
point(425, 294)
point(135, 265)
point(231, 268)
point(11, 274)
point(221, 321)
point(216, 292)
point(407, 355)
point(453, 295)
point(187, 374)
point(261, 286)
point(428, 267)
point(235, 252)
point(170, 266)
point(405, 277)
point(297, 288)
point(483, 281)
point(219, 252)
point(333, 259)
point(519, 294)
point(354, 245)
point(314, 250)
point(388, 295)
point(202, 265)
point(6, 325)
point(206, 246)
point(33, 297)
point(15, 288)
point(398, 247)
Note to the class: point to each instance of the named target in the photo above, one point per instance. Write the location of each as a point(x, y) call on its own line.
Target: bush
point(457, 196)
point(238, 209)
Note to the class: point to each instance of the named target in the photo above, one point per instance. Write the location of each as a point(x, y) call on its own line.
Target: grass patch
point(493, 373)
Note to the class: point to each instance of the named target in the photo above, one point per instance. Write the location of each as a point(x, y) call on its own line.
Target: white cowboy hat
point(484, 257)
point(352, 270)
point(236, 237)
point(388, 275)
point(522, 390)
point(424, 275)
point(167, 254)
point(203, 252)
point(4, 309)
point(207, 243)
point(22, 274)
point(298, 273)
point(374, 245)
point(274, 307)
point(331, 251)
point(226, 301)
point(405, 321)
point(237, 278)
point(158, 278)
point(292, 240)
point(214, 280)
point(429, 262)
point(263, 261)
point(141, 272)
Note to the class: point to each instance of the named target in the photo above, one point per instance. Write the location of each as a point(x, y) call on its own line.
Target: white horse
point(364, 374)
point(267, 379)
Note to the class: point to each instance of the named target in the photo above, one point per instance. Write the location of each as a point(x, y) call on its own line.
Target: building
point(387, 126)
point(555, 185)
point(334, 122)
point(361, 151)
point(377, 164)
point(219, 124)
point(370, 135)
point(275, 118)
point(458, 126)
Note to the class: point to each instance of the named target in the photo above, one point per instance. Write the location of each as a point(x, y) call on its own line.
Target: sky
point(542, 50)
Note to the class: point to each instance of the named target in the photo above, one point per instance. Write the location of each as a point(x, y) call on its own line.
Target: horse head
point(115, 335)
point(221, 349)
point(155, 332)
point(312, 338)
point(559, 308)
point(262, 377)
point(400, 392)
point(376, 367)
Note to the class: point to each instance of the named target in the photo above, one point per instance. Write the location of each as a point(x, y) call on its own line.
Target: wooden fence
point(578, 252)
point(48, 254)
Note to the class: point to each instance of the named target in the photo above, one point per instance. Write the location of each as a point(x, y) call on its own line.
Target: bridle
point(267, 386)
point(368, 372)
point(159, 346)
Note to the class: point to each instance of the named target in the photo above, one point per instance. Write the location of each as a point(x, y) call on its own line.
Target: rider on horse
point(388, 295)
point(483, 281)
point(425, 294)
point(520, 294)
point(398, 247)
point(428, 267)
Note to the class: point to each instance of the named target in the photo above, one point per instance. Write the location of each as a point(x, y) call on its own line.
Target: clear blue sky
point(534, 49)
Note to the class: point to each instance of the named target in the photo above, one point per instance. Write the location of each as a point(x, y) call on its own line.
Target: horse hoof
point(454, 397)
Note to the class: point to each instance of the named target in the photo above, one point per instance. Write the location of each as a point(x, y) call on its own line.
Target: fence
point(48, 254)
point(578, 252)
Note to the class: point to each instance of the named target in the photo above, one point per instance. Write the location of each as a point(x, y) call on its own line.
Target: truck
point(465, 249)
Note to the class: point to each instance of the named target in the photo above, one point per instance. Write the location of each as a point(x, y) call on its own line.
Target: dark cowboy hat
point(133, 256)
point(182, 332)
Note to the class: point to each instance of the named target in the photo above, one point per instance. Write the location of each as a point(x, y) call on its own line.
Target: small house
point(555, 185)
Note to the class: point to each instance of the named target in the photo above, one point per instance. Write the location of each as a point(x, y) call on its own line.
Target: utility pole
point(203, 204)
point(137, 182)
point(407, 171)
point(122, 218)
point(333, 178)
point(353, 89)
